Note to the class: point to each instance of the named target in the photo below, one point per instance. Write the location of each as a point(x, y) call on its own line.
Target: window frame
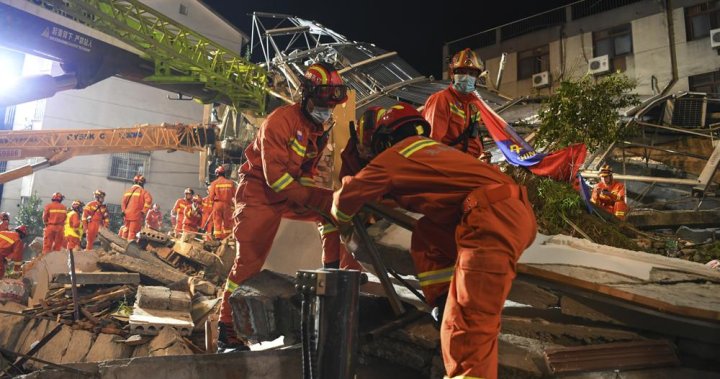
point(130, 172)
point(711, 10)
point(617, 61)
point(539, 58)
point(708, 79)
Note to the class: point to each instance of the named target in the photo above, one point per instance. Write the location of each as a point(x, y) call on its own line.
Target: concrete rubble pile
point(132, 302)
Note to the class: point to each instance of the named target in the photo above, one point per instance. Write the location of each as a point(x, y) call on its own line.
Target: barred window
point(616, 43)
point(533, 61)
point(124, 166)
point(708, 82)
point(701, 18)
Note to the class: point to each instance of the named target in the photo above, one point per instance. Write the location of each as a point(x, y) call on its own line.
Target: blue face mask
point(320, 114)
point(464, 83)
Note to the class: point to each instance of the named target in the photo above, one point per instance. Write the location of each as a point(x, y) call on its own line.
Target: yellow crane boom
point(59, 145)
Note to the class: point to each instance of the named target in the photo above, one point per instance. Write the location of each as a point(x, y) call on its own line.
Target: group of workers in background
point(476, 220)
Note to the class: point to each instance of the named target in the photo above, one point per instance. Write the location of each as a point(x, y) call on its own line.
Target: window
point(183, 10)
point(701, 18)
point(124, 166)
point(533, 61)
point(616, 43)
point(708, 82)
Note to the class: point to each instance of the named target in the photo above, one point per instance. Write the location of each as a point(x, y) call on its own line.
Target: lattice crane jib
point(180, 55)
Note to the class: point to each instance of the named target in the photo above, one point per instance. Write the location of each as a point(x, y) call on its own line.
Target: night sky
point(417, 33)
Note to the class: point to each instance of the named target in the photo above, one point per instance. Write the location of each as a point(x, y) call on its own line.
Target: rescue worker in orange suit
point(153, 220)
point(11, 248)
point(491, 216)
point(135, 203)
point(454, 113)
point(207, 210)
point(54, 219)
point(95, 215)
point(4, 221)
point(357, 151)
point(276, 181)
point(193, 215)
point(222, 192)
point(609, 194)
point(177, 213)
point(74, 225)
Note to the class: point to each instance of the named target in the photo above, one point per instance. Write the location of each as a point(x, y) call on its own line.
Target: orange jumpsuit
point(153, 220)
point(610, 198)
point(94, 215)
point(450, 113)
point(207, 208)
point(135, 203)
point(179, 211)
point(11, 247)
point(222, 192)
point(276, 181)
point(73, 230)
point(54, 219)
point(192, 218)
point(492, 222)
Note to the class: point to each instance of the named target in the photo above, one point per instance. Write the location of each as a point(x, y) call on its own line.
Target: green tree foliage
point(586, 110)
point(30, 214)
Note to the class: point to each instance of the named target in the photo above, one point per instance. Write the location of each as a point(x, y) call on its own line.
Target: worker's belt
point(485, 196)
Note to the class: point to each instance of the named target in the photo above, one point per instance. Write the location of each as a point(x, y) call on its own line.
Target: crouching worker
point(491, 216)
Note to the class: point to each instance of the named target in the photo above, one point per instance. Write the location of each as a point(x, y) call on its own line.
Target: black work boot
point(228, 340)
point(439, 310)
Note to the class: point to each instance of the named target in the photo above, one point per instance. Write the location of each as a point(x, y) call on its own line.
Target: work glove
point(319, 199)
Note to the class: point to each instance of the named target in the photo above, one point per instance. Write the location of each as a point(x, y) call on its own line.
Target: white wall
point(202, 20)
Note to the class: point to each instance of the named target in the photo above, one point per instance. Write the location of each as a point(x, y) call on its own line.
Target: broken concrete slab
point(150, 321)
point(78, 347)
point(152, 273)
point(99, 278)
point(54, 350)
point(204, 287)
point(194, 252)
point(168, 342)
point(266, 306)
point(41, 270)
point(11, 326)
point(522, 354)
point(37, 330)
point(105, 349)
point(526, 293)
point(571, 306)
point(180, 301)
point(564, 333)
point(153, 297)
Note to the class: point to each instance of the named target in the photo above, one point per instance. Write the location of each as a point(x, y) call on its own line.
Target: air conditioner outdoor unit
point(715, 38)
point(599, 65)
point(541, 80)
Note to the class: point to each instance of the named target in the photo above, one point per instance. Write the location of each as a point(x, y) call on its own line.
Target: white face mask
point(321, 115)
point(464, 83)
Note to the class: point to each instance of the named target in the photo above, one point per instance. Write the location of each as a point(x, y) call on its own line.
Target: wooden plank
point(195, 253)
point(99, 278)
point(611, 356)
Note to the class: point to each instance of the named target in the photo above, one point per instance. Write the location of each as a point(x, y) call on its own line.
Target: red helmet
point(366, 125)
point(397, 119)
point(323, 84)
point(5, 216)
point(139, 179)
point(57, 196)
point(466, 59)
point(21, 230)
point(99, 193)
point(189, 191)
point(220, 170)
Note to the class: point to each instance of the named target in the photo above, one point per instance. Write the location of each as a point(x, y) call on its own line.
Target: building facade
point(641, 38)
point(113, 103)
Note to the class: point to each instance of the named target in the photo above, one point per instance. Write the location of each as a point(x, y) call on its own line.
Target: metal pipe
point(73, 283)
point(378, 265)
point(646, 179)
point(673, 129)
point(634, 144)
